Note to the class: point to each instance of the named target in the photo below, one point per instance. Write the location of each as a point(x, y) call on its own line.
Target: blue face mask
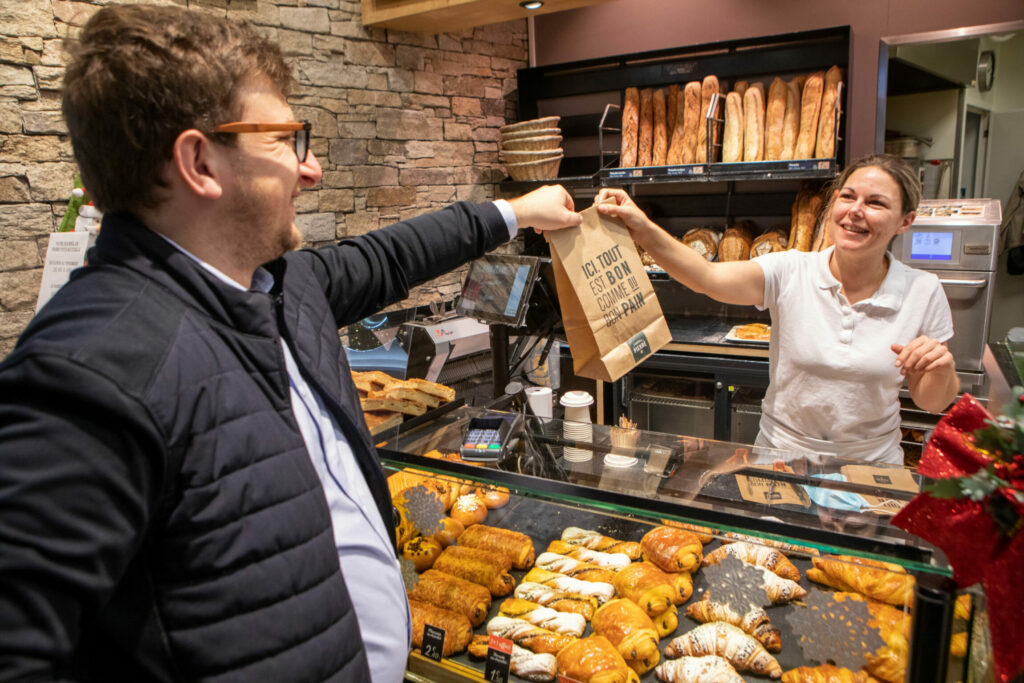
point(834, 498)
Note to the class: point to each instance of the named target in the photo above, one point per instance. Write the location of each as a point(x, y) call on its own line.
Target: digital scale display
point(931, 246)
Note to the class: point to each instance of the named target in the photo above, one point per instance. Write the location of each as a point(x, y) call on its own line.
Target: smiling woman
point(850, 324)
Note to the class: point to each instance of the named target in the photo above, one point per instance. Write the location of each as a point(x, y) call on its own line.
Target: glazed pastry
point(422, 552)
point(449, 533)
point(706, 669)
point(630, 630)
point(596, 541)
point(578, 570)
point(958, 644)
point(602, 592)
point(672, 549)
point(566, 623)
point(826, 673)
point(962, 607)
point(882, 581)
point(529, 666)
point(457, 629)
point(558, 600)
point(725, 640)
point(732, 537)
point(646, 585)
point(450, 592)
point(478, 566)
point(666, 622)
point(469, 510)
point(594, 660)
point(516, 546)
point(755, 622)
point(493, 498)
point(612, 561)
point(525, 634)
point(762, 556)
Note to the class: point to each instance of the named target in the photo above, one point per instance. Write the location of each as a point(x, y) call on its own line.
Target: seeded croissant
point(725, 640)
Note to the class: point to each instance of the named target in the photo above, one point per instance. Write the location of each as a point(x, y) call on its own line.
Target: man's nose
point(310, 171)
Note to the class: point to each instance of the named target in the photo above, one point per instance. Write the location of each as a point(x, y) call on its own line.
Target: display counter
point(629, 485)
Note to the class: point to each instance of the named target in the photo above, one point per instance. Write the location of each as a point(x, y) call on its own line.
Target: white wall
point(931, 115)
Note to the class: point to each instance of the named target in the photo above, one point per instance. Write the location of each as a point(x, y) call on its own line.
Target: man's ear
point(199, 164)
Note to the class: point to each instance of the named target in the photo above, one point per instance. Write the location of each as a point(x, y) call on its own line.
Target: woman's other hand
point(930, 370)
point(616, 203)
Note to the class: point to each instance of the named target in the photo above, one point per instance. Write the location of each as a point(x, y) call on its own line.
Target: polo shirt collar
point(889, 294)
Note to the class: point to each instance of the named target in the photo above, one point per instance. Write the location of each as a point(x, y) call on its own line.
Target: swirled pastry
point(602, 592)
point(567, 623)
point(576, 569)
point(612, 561)
point(530, 666)
point(596, 541)
point(556, 599)
point(525, 634)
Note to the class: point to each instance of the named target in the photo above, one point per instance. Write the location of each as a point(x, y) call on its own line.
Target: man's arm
point(79, 474)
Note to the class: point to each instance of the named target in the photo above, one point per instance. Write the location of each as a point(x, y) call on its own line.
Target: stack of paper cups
point(576, 426)
point(539, 399)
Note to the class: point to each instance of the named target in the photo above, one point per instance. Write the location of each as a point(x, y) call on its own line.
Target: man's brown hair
point(140, 75)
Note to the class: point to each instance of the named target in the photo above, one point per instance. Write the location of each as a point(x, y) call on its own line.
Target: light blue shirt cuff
point(510, 217)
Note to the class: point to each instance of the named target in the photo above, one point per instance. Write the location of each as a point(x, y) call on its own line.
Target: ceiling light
point(531, 4)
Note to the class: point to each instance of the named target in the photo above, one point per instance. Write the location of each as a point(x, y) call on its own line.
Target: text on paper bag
point(613, 284)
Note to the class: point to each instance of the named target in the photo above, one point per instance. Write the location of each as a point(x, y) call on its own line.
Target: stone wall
point(403, 123)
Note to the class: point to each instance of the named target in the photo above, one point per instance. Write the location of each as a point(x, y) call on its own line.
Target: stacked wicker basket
point(531, 148)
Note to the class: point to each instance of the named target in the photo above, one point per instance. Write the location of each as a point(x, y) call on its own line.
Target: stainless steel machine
point(958, 241)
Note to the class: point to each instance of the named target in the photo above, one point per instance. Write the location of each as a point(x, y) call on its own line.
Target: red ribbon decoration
point(965, 531)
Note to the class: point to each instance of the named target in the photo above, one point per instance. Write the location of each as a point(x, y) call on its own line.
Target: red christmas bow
point(977, 548)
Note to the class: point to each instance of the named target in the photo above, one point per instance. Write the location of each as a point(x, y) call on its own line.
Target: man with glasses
point(183, 461)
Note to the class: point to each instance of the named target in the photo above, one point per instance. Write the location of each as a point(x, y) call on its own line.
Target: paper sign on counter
point(65, 252)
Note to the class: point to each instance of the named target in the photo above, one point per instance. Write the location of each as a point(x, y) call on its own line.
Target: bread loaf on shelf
point(753, 124)
point(740, 87)
point(732, 137)
point(736, 242)
point(708, 87)
point(659, 151)
point(691, 114)
point(645, 143)
point(671, 104)
point(771, 241)
point(791, 121)
point(802, 235)
point(630, 127)
point(810, 107)
point(704, 241)
point(775, 120)
point(825, 147)
point(677, 126)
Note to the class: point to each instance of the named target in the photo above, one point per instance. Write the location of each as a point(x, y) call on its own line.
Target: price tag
point(499, 659)
point(433, 642)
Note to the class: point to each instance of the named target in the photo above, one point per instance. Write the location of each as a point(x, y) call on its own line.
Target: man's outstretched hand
point(547, 208)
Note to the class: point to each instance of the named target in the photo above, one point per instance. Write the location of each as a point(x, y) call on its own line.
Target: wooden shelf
point(443, 16)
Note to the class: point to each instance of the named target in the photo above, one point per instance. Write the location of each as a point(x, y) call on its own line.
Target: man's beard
point(261, 241)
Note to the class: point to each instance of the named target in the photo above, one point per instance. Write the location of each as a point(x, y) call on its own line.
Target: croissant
point(457, 629)
point(558, 600)
point(527, 665)
point(451, 592)
point(647, 586)
point(755, 622)
point(882, 581)
point(602, 592)
point(516, 546)
point(705, 534)
point(706, 669)
point(725, 640)
point(666, 622)
point(483, 568)
point(762, 556)
point(732, 536)
point(630, 630)
point(612, 561)
point(778, 589)
point(596, 541)
point(826, 673)
point(594, 660)
point(672, 549)
point(574, 568)
point(525, 634)
point(566, 623)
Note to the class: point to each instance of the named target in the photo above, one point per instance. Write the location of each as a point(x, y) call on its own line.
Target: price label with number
point(499, 659)
point(433, 642)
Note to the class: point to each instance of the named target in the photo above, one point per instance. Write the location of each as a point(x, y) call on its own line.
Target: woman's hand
point(930, 371)
point(617, 204)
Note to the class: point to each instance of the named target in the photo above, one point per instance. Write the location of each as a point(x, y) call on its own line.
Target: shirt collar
point(262, 280)
point(889, 294)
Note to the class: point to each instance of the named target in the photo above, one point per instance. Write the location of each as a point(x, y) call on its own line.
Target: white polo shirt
point(834, 388)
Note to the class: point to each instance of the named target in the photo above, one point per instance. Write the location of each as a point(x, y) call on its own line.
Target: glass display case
point(574, 485)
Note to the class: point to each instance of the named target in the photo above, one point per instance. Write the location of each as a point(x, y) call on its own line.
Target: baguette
point(791, 122)
point(646, 139)
point(810, 107)
point(774, 120)
point(630, 124)
point(732, 138)
point(691, 117)
point(660, 149)
point(708, 87)
point(825, 147)
point(672, 104)
point(802, 235)
point(753, 124)
point(677, 126)
point(740, 87)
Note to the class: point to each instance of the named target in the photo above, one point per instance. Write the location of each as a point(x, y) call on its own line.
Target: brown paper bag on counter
point(885, 478)
point(612, 318)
